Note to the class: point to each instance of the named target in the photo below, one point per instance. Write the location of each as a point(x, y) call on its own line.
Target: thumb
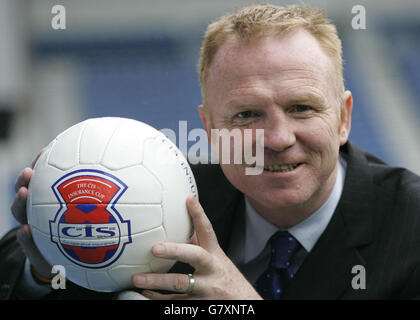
point(26, 241)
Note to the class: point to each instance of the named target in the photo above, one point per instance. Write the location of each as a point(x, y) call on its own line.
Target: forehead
point(295, 58)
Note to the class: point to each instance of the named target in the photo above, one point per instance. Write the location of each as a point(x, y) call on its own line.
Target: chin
point(279, 199)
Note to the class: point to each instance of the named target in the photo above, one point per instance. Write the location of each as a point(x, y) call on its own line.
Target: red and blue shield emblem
point(87, 228)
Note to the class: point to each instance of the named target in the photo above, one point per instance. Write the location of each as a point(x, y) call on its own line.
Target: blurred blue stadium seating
point(365, 131)
point(405, 44)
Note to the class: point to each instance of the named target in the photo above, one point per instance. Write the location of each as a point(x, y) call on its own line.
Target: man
point(320, 209)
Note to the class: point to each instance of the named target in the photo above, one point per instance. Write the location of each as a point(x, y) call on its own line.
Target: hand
point(24, 235)
point(216, 277)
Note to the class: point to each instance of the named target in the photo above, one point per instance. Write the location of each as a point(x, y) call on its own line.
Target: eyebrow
point(308, 98)
point(246, 101)
point(237, 105)
point(306, 95)
point(289, 98)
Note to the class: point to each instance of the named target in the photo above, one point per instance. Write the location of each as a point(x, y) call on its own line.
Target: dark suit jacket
point(376, 225)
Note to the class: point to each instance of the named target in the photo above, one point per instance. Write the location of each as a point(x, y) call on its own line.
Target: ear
point(205, 118)
point(345, 117)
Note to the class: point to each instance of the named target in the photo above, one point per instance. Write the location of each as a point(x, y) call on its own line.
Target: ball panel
point(139, 250)
point(142, 217)
point(95, 138)
point(142, 186)
point(101, 281)
point(41, 216)
point(42, 179)
point(125, 147)
point(64, 154)
point(122, 274)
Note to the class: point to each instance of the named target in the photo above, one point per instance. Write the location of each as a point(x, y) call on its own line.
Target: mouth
point(276, 168)
point(281, 167)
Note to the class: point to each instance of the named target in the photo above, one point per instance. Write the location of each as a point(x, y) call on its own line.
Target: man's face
point(284, 85)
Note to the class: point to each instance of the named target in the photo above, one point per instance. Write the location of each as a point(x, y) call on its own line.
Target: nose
point(279, 132)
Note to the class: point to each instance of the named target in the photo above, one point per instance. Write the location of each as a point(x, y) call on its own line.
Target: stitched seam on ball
point(80, 140)
point(109, 141)
point(49, 153)
point(160, 184)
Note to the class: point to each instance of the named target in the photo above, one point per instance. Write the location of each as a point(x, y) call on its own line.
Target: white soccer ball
point(102, 194)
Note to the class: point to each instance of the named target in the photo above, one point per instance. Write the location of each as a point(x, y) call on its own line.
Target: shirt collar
point(307, 232)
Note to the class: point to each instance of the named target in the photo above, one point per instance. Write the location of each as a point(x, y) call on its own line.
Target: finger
point(175, 282)
point(202, 226)
point(24, 237)
point(153, 295)
point(18, 206)
point(23, 178)
point(37, 157)
point(155, 281)
point(194, 255)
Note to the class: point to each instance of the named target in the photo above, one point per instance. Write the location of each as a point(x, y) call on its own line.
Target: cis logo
point(89, 231)
point(87, 228)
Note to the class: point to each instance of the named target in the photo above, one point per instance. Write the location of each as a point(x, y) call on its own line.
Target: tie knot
point(283, 245)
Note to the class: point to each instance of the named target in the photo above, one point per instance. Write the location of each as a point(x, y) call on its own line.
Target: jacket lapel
point(327, 270)
point(227, 218)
